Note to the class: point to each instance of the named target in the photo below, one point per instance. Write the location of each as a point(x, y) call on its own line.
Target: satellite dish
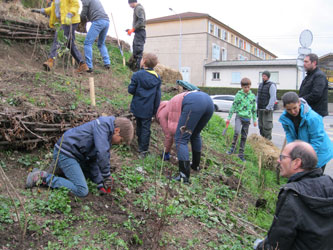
point(306, 38)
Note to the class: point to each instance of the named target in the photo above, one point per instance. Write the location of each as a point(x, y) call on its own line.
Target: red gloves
point(106, 186)
point(130, 31)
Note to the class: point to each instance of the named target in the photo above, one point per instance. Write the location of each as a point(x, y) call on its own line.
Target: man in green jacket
point(244, 106)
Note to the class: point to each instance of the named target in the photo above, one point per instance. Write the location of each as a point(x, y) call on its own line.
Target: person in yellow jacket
point(65, 12)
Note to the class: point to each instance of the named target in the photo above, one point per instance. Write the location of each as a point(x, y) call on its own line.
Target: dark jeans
point(241, 127)
point(143, 133)
point(138, 45)
point(197, 109)
point(69, 32)
point(265, 119)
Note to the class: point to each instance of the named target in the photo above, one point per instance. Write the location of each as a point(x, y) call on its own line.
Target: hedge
point(233, 91)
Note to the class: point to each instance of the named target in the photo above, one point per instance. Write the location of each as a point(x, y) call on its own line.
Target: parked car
point(330, 85)
point(222, 102)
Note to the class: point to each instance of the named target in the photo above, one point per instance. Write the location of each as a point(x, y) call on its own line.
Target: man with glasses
point(303, 218)
point(300, 122)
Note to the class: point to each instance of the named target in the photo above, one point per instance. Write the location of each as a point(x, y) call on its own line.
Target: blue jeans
point(69, 32)
point(75, 182)
point(98, 29)
point(143, 133)
point(197, 109)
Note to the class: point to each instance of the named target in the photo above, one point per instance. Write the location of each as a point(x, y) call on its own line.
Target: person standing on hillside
point(244, 106)
point(139, 28)
point(303, 218)
point(145, 87)
point(265, 102)
point(300, 122)
point(66, 13)
point(93, 11)
point(314, 87)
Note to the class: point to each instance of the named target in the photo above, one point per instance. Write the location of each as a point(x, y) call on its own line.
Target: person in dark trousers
point(244, 106)
point(196, 110)
point(139, 28)
point(93, 11)
point(265, 103)
point(303, 217)
point(300, 122)
point(314, 87)
point(145, 87)
point(84, 151)
point(64, 12)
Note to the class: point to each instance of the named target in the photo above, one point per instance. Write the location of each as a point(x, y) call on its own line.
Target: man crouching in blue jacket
point(146, 90)
point(85, 151)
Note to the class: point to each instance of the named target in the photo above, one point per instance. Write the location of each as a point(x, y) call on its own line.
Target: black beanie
point(132, 1)
point(267, 73)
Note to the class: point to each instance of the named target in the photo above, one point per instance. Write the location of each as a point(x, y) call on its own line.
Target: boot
point(83, 67)
point(196, 156)
point(233, 145)
point(48, 65)
point(36, 178)
point(241, 148)
point(184, 172)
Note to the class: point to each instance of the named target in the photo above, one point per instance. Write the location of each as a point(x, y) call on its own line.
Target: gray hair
point(289, 97)
point(308, 157)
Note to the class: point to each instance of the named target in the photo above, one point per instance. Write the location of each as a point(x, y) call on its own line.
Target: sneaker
point(35, 178)
point(90, 70)
point(107, 67)
point(231, 151)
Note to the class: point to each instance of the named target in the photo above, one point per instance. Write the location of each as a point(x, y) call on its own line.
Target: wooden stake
point(92, 91)
point(259, 166)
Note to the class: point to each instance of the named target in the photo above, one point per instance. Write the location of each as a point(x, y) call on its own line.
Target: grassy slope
point(146, 210)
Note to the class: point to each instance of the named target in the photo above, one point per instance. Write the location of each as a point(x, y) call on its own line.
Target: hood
point(315, 191)
point(151, 79)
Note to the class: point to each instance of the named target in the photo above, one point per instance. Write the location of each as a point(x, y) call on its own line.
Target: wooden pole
point(92, 91)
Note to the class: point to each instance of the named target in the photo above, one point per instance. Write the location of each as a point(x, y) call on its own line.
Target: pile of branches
point(19, 23)
point(20, 30)
point(27, 130)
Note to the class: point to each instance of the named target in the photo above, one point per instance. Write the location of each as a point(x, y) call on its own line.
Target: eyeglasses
point(281, 157)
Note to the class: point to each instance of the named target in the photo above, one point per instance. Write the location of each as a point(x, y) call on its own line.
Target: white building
point(229, 73)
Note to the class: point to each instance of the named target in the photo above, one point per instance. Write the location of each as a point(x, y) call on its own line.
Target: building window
point(248, 47)
point(274, 76)
point(224, 54)
point(240, 44)
point(211, 28)
point(216, 76)
point(219, 32)
point(236, 41)
point(242, 58)
point(224, 35)
point(235, 77)
point(215, 52)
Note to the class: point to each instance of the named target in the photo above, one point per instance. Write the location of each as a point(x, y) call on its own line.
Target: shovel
point(226, 127)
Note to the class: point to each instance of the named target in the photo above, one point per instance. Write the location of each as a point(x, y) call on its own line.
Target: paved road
point(278, 134)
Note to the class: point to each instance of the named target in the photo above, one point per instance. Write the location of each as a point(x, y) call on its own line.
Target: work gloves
point(68, 19)
point(106, 186)
point(130, 31)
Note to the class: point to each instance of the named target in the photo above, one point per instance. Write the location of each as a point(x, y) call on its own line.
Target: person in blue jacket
point(85, 151)
point(300, 122)
point(145, 87)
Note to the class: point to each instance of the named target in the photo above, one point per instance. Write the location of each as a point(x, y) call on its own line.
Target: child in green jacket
point(244, 106)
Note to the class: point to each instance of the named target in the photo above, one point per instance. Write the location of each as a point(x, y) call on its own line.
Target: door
point(186, 73)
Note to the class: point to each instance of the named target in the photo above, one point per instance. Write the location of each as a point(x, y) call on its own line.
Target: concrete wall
point(289, 77)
